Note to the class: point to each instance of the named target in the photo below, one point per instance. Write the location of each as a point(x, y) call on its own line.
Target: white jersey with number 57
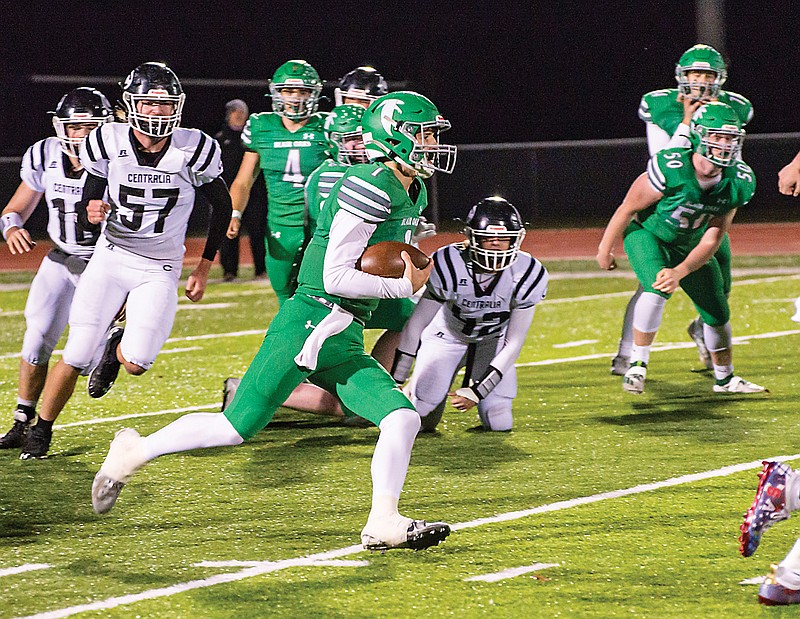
point(46, 169)
point(151, 201)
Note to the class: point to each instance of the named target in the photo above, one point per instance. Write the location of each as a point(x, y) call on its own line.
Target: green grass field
point(270, 528)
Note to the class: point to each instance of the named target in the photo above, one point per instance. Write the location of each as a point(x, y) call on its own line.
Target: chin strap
point(479, 390)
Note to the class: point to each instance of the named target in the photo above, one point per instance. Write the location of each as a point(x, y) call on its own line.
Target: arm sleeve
point(680, 139)
point(94, 188)
point(421, 317)
point(657, 138)
point(216, 192)
point(349, 235)
point(517, 331)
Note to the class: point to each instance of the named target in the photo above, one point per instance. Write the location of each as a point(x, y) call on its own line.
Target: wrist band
point(8, 221)
point(236, 214)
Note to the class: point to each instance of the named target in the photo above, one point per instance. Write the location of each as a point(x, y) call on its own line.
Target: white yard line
point(511, 572)
point(28, 567)
point(188, 409)
point(272, 566)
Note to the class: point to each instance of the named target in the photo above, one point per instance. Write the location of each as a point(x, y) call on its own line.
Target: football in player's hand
point(383, 259)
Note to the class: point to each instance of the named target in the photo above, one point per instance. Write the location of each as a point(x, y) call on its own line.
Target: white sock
point(640, 353)
point(192, 431)
point(390, 460)
point(722, 371)
point(31, 403)
point(792, 491)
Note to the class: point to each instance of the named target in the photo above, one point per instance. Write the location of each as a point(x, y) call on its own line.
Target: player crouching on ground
point(691, 196)
point(317, 333)
point(476, 311)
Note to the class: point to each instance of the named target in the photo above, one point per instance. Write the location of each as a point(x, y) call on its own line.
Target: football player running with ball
point(685, 204)
point(287, 144)
point(151, 169)
point(52, 168)
point(318, 333)
point(476, 311)
point(667, 114)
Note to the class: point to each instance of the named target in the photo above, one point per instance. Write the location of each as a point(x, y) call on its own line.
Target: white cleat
point(739, 385)
point(125, 457)
point(695, 331)
point(633, 381)
point(620, 365)
point(400, 532)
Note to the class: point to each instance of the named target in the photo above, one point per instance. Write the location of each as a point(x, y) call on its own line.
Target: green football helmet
point(716, 133)
point(343, 132)
point(295, 75)
point(392, 126)
point(701, 58)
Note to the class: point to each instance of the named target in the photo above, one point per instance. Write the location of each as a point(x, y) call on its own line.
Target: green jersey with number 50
point(681, 216)
point(372, 192)
point(287, 158)
point(662, 108)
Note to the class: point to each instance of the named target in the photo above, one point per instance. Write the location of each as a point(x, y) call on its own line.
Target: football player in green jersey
point(700, 73)
point(317, 334)
point(287, 144)
point(674, 218)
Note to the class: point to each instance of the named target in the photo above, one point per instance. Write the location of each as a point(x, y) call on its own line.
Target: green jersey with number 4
point(681, 216)
point(287, 159)
point(371, 192)
point(662, 108)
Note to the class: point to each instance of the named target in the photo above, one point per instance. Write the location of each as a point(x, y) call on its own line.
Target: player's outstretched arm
point(640, 195)
point(15, 214)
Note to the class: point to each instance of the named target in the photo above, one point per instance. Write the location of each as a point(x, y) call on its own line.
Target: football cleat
point(16, 436)
point(413, 534)
point(772, 593)
point(738, 385)
point(125, 457)
point(229, 387)
point(105, 372)
point(37, 443)
point(620, 365)
point(768, 507)
point(695, 331)
point(633, 381)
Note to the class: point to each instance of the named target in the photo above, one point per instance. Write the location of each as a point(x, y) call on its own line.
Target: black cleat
point(16, 436)
point(105, 373)
point(418, 536)
point(37, 444)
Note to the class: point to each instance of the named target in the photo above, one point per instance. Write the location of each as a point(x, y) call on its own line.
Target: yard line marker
point(272, 566)
point(186, 409)
point(28, 567)
point(573, 344)
point(512, 572)
point(236, 563)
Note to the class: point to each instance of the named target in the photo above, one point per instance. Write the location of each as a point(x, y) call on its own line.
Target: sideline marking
point(272, 566)
point(512, 572)
point(28, 567)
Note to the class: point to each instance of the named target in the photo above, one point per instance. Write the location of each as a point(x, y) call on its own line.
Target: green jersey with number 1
point(287, 159)
point(662, 108)
point(372, 192)
point(681, 216)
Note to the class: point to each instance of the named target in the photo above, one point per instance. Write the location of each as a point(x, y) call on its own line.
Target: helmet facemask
point(428, 155)
point(294, 106)
point(493, 260)
point(699, 89)
point(156, 126)
point(71, 146)
point(723, 153)
point(347, 147)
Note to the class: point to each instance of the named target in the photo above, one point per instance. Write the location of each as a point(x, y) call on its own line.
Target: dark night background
point(499, 71)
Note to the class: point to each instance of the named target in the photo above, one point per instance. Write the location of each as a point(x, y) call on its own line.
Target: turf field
point(598, 504)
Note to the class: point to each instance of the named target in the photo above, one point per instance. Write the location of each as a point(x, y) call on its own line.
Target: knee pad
point(648, 312)
point(718, 338)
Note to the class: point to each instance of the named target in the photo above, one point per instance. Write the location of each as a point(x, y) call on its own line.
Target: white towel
point(335, 322)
